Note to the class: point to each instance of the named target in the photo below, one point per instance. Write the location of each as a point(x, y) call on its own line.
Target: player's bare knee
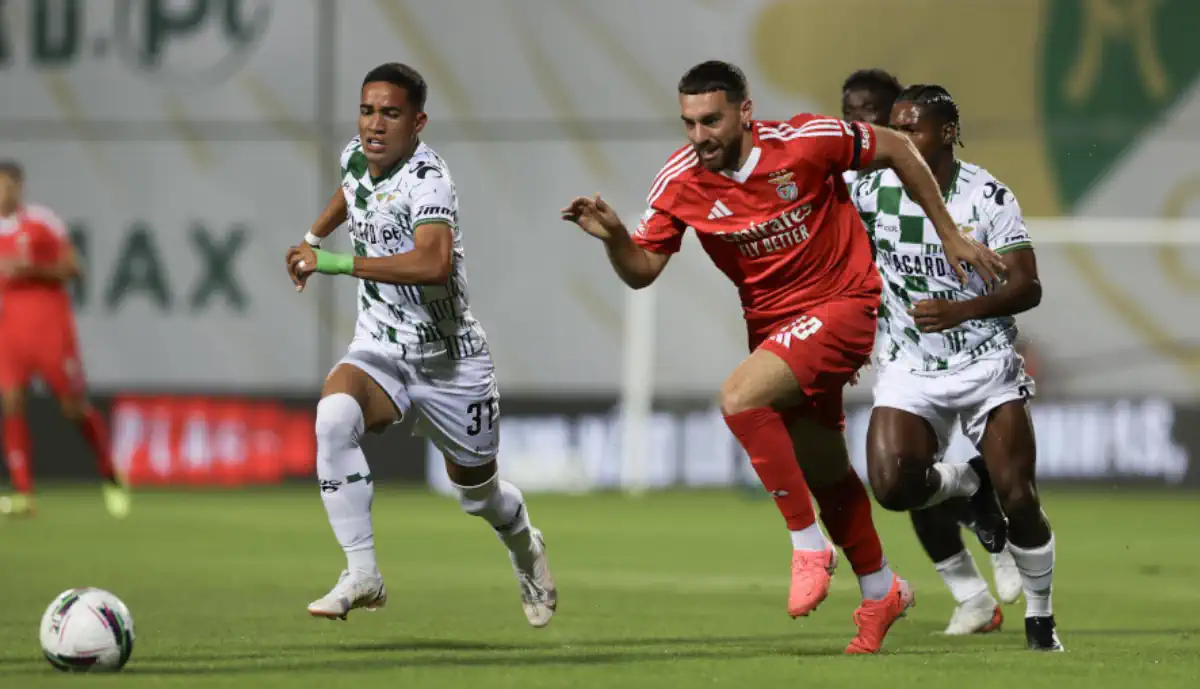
point(736, 396)
point(12, 402)
point(474, 475)
point(339, 422)
point(896, 481)
point(891, 494)
point(1018, 498)
point(73, 408)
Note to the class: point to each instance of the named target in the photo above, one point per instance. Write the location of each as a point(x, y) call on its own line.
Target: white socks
point(874, 586)
point(962, 577)
point(958, 481)
point(501, 504)
point(877, 585)
point(1036, 566)
point(345, 479)
point(810, 538)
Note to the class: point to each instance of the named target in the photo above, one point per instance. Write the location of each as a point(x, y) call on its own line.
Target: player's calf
point(347, 488)
point(749, 397)
point(502, 505)
point(1010, 450)
point(17, 447)
point(78, 410)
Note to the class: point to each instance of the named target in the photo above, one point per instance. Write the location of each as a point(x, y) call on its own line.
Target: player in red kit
point(37, 339)
point(768, 204)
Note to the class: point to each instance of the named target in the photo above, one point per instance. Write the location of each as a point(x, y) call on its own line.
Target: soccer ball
point(87, 630)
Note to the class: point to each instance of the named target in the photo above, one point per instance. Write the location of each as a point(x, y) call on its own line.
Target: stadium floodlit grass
point(664, 591)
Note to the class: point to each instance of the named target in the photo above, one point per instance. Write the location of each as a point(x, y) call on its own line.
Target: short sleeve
point(659, 232)
point(833, 144)
point(1004, 224)
point(433, 200)
point(51, 228)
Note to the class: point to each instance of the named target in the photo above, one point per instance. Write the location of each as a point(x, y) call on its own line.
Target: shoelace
point(530, 591)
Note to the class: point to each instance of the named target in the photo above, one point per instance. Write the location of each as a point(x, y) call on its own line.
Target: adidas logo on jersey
point(719, 210)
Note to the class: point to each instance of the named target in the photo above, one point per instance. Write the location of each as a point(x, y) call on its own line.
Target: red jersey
point(37, 235)
point(782, 228)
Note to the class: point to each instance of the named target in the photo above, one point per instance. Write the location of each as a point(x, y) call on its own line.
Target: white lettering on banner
point(1112, 439)
point(134, 428)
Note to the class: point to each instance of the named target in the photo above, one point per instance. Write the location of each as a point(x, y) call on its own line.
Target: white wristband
point(312, 239)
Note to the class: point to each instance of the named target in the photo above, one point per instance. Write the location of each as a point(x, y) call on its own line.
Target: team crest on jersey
point(386, 196)
point(784, 186)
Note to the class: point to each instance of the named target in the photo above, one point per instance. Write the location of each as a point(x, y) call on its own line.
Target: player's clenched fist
point(301, 263)
point(595, 216)
point(936, 315)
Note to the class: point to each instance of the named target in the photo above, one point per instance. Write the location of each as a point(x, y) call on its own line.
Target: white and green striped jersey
point(384, 214)
point(914, 268)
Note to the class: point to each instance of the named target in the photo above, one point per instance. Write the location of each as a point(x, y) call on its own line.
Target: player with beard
point(768, 204)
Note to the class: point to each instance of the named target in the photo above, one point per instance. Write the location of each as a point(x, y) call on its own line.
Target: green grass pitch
point(664, 591)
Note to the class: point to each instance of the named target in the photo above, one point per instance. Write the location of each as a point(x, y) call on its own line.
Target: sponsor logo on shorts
point(330, 485)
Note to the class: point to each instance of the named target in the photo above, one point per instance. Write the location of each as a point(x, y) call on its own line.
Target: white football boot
point(539, 595)
point(977, 615)
point(357, 590)
point(1006, 576)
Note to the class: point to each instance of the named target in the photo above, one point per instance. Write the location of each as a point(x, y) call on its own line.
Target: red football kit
point(37, 329)
point(783, 229)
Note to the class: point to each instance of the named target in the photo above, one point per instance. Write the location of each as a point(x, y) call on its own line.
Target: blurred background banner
point(189, 142)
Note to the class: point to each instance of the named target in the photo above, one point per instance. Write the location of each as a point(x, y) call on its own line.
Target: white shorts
point(456, 403)
point(965, 396)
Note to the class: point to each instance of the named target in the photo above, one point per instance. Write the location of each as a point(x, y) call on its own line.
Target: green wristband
point(330, 263)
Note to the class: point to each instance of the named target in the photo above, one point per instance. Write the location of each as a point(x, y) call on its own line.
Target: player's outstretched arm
point(897, 152)
point(637, 266)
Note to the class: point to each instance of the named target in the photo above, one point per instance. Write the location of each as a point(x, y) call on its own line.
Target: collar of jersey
point(11, 223)
point(949, 190)
point(742, 174)
point(376, 181)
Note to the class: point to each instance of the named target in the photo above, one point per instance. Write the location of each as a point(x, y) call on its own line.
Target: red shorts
point(49, 351)
point(824, 347)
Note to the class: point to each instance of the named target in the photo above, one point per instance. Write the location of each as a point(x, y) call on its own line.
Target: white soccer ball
point(87, 630)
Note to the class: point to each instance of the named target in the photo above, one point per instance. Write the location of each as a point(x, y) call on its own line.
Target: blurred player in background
point(416, 350)
point(764, 202)
point(868, 96)
point(947, 357)
point(37, 340)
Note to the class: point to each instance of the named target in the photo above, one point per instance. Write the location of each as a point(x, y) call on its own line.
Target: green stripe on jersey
point(362, 196)
point(888, 201)
point(916, 283)
point(428, 221)
point(912, 228)
point(356, 167)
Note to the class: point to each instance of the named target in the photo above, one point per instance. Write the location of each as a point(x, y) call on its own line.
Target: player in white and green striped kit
point(417, 351)
point(945, 355)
